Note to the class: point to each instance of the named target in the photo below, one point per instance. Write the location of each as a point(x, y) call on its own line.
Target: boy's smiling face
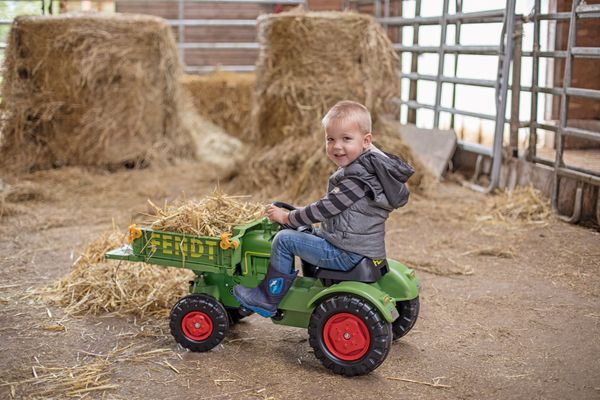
point(345, 142)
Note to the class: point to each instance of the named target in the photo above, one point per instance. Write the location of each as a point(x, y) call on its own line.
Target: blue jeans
point(310, 248)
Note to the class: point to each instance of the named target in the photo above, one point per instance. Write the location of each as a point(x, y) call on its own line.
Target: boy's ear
point(367, 139)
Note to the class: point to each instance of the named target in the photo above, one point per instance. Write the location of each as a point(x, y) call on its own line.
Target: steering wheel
point(289, 207)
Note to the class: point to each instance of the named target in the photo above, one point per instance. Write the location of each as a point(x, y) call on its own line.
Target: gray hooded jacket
point(361, 227)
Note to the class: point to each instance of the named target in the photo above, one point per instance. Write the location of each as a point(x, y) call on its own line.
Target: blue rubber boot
point(265, 298)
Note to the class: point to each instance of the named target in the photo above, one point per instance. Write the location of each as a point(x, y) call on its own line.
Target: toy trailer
point(352, 317)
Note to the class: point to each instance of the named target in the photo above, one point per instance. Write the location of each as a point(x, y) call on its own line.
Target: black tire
point(198, 322)
point(409, 312)
point(334, 319)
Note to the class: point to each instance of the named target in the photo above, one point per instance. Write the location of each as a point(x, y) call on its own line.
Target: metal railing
point(504, 52)
point(579, 10)
point(181, 23)
point(512, 23)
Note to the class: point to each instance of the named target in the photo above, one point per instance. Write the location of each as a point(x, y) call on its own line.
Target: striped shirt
point(348, 192)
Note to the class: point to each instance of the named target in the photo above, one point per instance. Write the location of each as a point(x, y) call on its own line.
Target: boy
point(366, 187)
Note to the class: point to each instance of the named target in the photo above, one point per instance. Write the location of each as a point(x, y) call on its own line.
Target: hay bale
point(91, 89)
point(301, 73)
point(224, 98)
point(310, 61)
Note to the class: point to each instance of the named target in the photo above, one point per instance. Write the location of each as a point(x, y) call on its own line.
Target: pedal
point(244, 312)
point(278, 315)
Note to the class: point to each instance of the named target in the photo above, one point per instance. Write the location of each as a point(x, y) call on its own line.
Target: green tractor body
point(221, 263)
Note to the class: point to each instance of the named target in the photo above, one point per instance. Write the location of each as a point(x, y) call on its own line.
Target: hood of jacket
point(391, 172)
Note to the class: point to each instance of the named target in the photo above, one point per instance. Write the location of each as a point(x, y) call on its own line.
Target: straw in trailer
point(211, 216)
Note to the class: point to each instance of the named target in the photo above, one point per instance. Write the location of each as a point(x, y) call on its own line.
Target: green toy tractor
point(352, 317)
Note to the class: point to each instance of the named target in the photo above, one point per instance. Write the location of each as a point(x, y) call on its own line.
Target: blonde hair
point(347, 110)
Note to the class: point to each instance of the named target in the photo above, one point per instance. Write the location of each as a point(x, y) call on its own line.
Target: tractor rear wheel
point(349, 335)
point(409, 312)
point(198, 322)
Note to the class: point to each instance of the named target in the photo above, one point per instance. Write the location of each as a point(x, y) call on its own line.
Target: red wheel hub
point(197, 325)
point(346, 336)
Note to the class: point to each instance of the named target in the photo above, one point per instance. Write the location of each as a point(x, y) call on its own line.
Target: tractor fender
point(400, 282)
point(373, 295)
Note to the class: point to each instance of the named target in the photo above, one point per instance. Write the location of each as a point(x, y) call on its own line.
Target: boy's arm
point(348, 192)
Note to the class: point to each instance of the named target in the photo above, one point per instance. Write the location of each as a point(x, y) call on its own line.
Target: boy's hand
point(278, 215)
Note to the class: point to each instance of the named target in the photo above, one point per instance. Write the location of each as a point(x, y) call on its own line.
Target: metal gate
point(504, 52)
point(579, 10)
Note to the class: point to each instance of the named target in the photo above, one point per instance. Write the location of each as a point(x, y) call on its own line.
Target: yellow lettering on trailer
point(176, 240)
point(167, 244)
point(182, 246)
point(173, 244)
point(155, 240)
point(196, 248)
point(211, 249)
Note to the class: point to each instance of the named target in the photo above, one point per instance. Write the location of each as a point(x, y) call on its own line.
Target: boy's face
point(345, 142)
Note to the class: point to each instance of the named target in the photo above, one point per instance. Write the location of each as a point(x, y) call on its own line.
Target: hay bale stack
point(310, 61)
point(224, 98)
point(307, 63)
point(91, 89)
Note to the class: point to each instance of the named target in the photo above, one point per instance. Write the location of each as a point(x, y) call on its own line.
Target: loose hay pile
point(91, 89)
point(96, 285)
point(224, 98)
point(523, 204)
point(61, 382)
point(216, 146)
point(92, 374)
point(11, 196)
point(210, 216)
point(308, 62)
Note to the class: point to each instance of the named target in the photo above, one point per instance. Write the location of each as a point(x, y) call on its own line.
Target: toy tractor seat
point(367, 271)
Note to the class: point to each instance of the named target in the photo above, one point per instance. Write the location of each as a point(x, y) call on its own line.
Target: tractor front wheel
point(198, 322)
point(349, 335)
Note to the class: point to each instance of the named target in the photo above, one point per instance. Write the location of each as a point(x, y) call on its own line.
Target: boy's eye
point(329, 139)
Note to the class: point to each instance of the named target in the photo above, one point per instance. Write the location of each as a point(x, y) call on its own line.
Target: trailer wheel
point(198, 322)
point(409, 312)
point(349, 335)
